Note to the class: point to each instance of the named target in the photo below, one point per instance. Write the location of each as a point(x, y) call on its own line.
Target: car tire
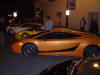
point(92, 51)
point(24, 35)
point(29, 50)
point(11, 32)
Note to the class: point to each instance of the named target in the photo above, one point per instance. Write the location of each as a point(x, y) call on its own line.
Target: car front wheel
point(92, 51)
point(29, 50)
point(24, 35)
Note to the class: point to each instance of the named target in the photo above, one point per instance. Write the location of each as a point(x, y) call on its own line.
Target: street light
point(15, 14)
point(67, 14)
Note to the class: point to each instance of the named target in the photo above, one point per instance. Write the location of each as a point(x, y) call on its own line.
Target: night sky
point(25, 7)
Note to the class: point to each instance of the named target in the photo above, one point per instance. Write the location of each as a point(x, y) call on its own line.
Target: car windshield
point(32, 26)
point(26, 25)
point(34, 35)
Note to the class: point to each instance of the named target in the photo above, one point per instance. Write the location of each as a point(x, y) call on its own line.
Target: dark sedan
point(75, 66)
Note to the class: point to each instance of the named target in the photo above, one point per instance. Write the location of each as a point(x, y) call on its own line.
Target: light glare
point(67, 12)
point(96, 65)
point(15, 14)
point(20, 44)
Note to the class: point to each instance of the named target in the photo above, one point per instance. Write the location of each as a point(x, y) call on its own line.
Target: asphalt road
point(14, 64)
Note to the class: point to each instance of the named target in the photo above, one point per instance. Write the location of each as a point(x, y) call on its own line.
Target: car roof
point(83, 34)
point(72, 31)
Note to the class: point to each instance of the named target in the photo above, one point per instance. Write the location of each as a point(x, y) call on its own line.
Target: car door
point(58, 41)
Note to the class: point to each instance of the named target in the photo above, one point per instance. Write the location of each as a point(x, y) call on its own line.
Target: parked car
point(27, 33)
point(14, 30)
point(75, 66)
point(62, 42)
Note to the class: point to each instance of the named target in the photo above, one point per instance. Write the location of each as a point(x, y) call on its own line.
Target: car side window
point(58, 35)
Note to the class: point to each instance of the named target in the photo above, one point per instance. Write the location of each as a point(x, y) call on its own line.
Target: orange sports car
point(62, 42)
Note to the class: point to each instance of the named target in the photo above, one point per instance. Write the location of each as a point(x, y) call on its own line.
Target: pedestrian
point(2, 32)
point(48, 23)
point(82, 24)
point(93, 25)
point(6, 23)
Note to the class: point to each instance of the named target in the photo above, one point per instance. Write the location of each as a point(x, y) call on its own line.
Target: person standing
point(48, 24)
point(82, 24)
point(91, 25)
point(2, 32)
point(95, 26)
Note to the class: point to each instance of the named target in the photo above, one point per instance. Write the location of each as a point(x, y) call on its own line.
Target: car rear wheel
point(29, 50)
point(11, 32)
point(92, 51)
point(24, 35)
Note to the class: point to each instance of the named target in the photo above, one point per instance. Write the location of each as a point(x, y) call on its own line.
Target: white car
point(16, 29)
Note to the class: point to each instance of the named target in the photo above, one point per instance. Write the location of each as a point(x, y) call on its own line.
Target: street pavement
point(14, 64)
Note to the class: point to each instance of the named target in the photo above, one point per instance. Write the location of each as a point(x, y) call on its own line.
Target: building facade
point(56, 9)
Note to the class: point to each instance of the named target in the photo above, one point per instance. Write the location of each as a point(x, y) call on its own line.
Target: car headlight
point(20, 44)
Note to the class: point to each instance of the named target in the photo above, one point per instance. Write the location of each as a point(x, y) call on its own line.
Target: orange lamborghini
point(62, 42)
